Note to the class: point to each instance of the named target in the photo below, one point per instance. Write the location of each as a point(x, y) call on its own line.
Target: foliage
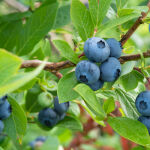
point(55, 32)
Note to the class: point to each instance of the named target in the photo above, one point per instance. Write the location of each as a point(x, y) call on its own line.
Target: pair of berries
point(5, 111)
point(50, 117)
point(98, 50)
point(142, 104)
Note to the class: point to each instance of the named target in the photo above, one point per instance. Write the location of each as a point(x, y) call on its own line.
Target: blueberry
point(96, 49)
point(115, 47)
point(1, 126)
point(142, 103)
point(5, 110)
point(146, 121)
point(41, 138)
point(110, 70)
point(87, 72)
point(97, 85)
point(60, 108)
point(2, 99)
point(48, 117)
point(32, 144)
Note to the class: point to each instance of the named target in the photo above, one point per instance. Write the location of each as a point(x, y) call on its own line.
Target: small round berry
point(110, 70)
point(97, 85)
point(5, 110)
point(142, 103)
point(115, 47)
point(96, 49)
point(146, 121)
point(48, 117)
point(87, 72)
point(60, 108)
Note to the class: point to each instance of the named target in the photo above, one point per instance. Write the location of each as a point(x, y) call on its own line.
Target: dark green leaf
point(16, 124)
point(65, 87)
point(38, 25)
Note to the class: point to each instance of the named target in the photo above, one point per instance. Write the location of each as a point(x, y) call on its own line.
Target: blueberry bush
point(74, 74)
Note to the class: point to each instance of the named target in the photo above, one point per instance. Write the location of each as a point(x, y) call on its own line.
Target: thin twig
point(138, 22)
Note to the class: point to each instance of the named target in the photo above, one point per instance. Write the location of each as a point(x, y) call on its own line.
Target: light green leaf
point(16, 124)
point(109, 105)
point(81, 19)
point(38, 25)
point(130, 129)
point(127, 67)
point(115, 22)
point(66, 51)
point(70, 123)
point(65, 88)
point(90, 99)
point(50, 143)
point(9, 65)
point(127, 102)
point(18, 80)
point(130, 81)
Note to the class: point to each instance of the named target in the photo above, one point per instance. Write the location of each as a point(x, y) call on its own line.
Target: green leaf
point(127, 67)
point(90, 98)
point(66, 51)
point(109, 105)
point(63, 17)
point(9, 65)
point(115, 22)
point(38, 25)
point(9, 37)
point(74, 109)
point(81, 19)
point(130, 129)
point(32, 104)
point(16, 124)
point(130, 81)
point(127, 102)
point(65, 88)
point(14, 16)
point(50, 143)
point(70, 123)
point(98, 10)
point(18, 80)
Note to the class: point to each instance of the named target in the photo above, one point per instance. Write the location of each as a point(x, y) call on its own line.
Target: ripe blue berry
point(142, 103)
point(32, 144)
point(2, 99)
point(87, 72)
point(48, 117)
point(5, 110)
point(40, 138)
point(96, 49)
point(115, 47)
point(60, 108)
point(110, 70)
point(1, 126)
point(146, 121)
point(97, 85)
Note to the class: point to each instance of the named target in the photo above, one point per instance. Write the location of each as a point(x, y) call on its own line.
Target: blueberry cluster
point(5, 111)
point(142, 104)
point(98, 50)
point(37, 142)
point(50, 117)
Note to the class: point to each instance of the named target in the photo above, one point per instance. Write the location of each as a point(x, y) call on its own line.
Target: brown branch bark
point(138, 22)
point(54, 67)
